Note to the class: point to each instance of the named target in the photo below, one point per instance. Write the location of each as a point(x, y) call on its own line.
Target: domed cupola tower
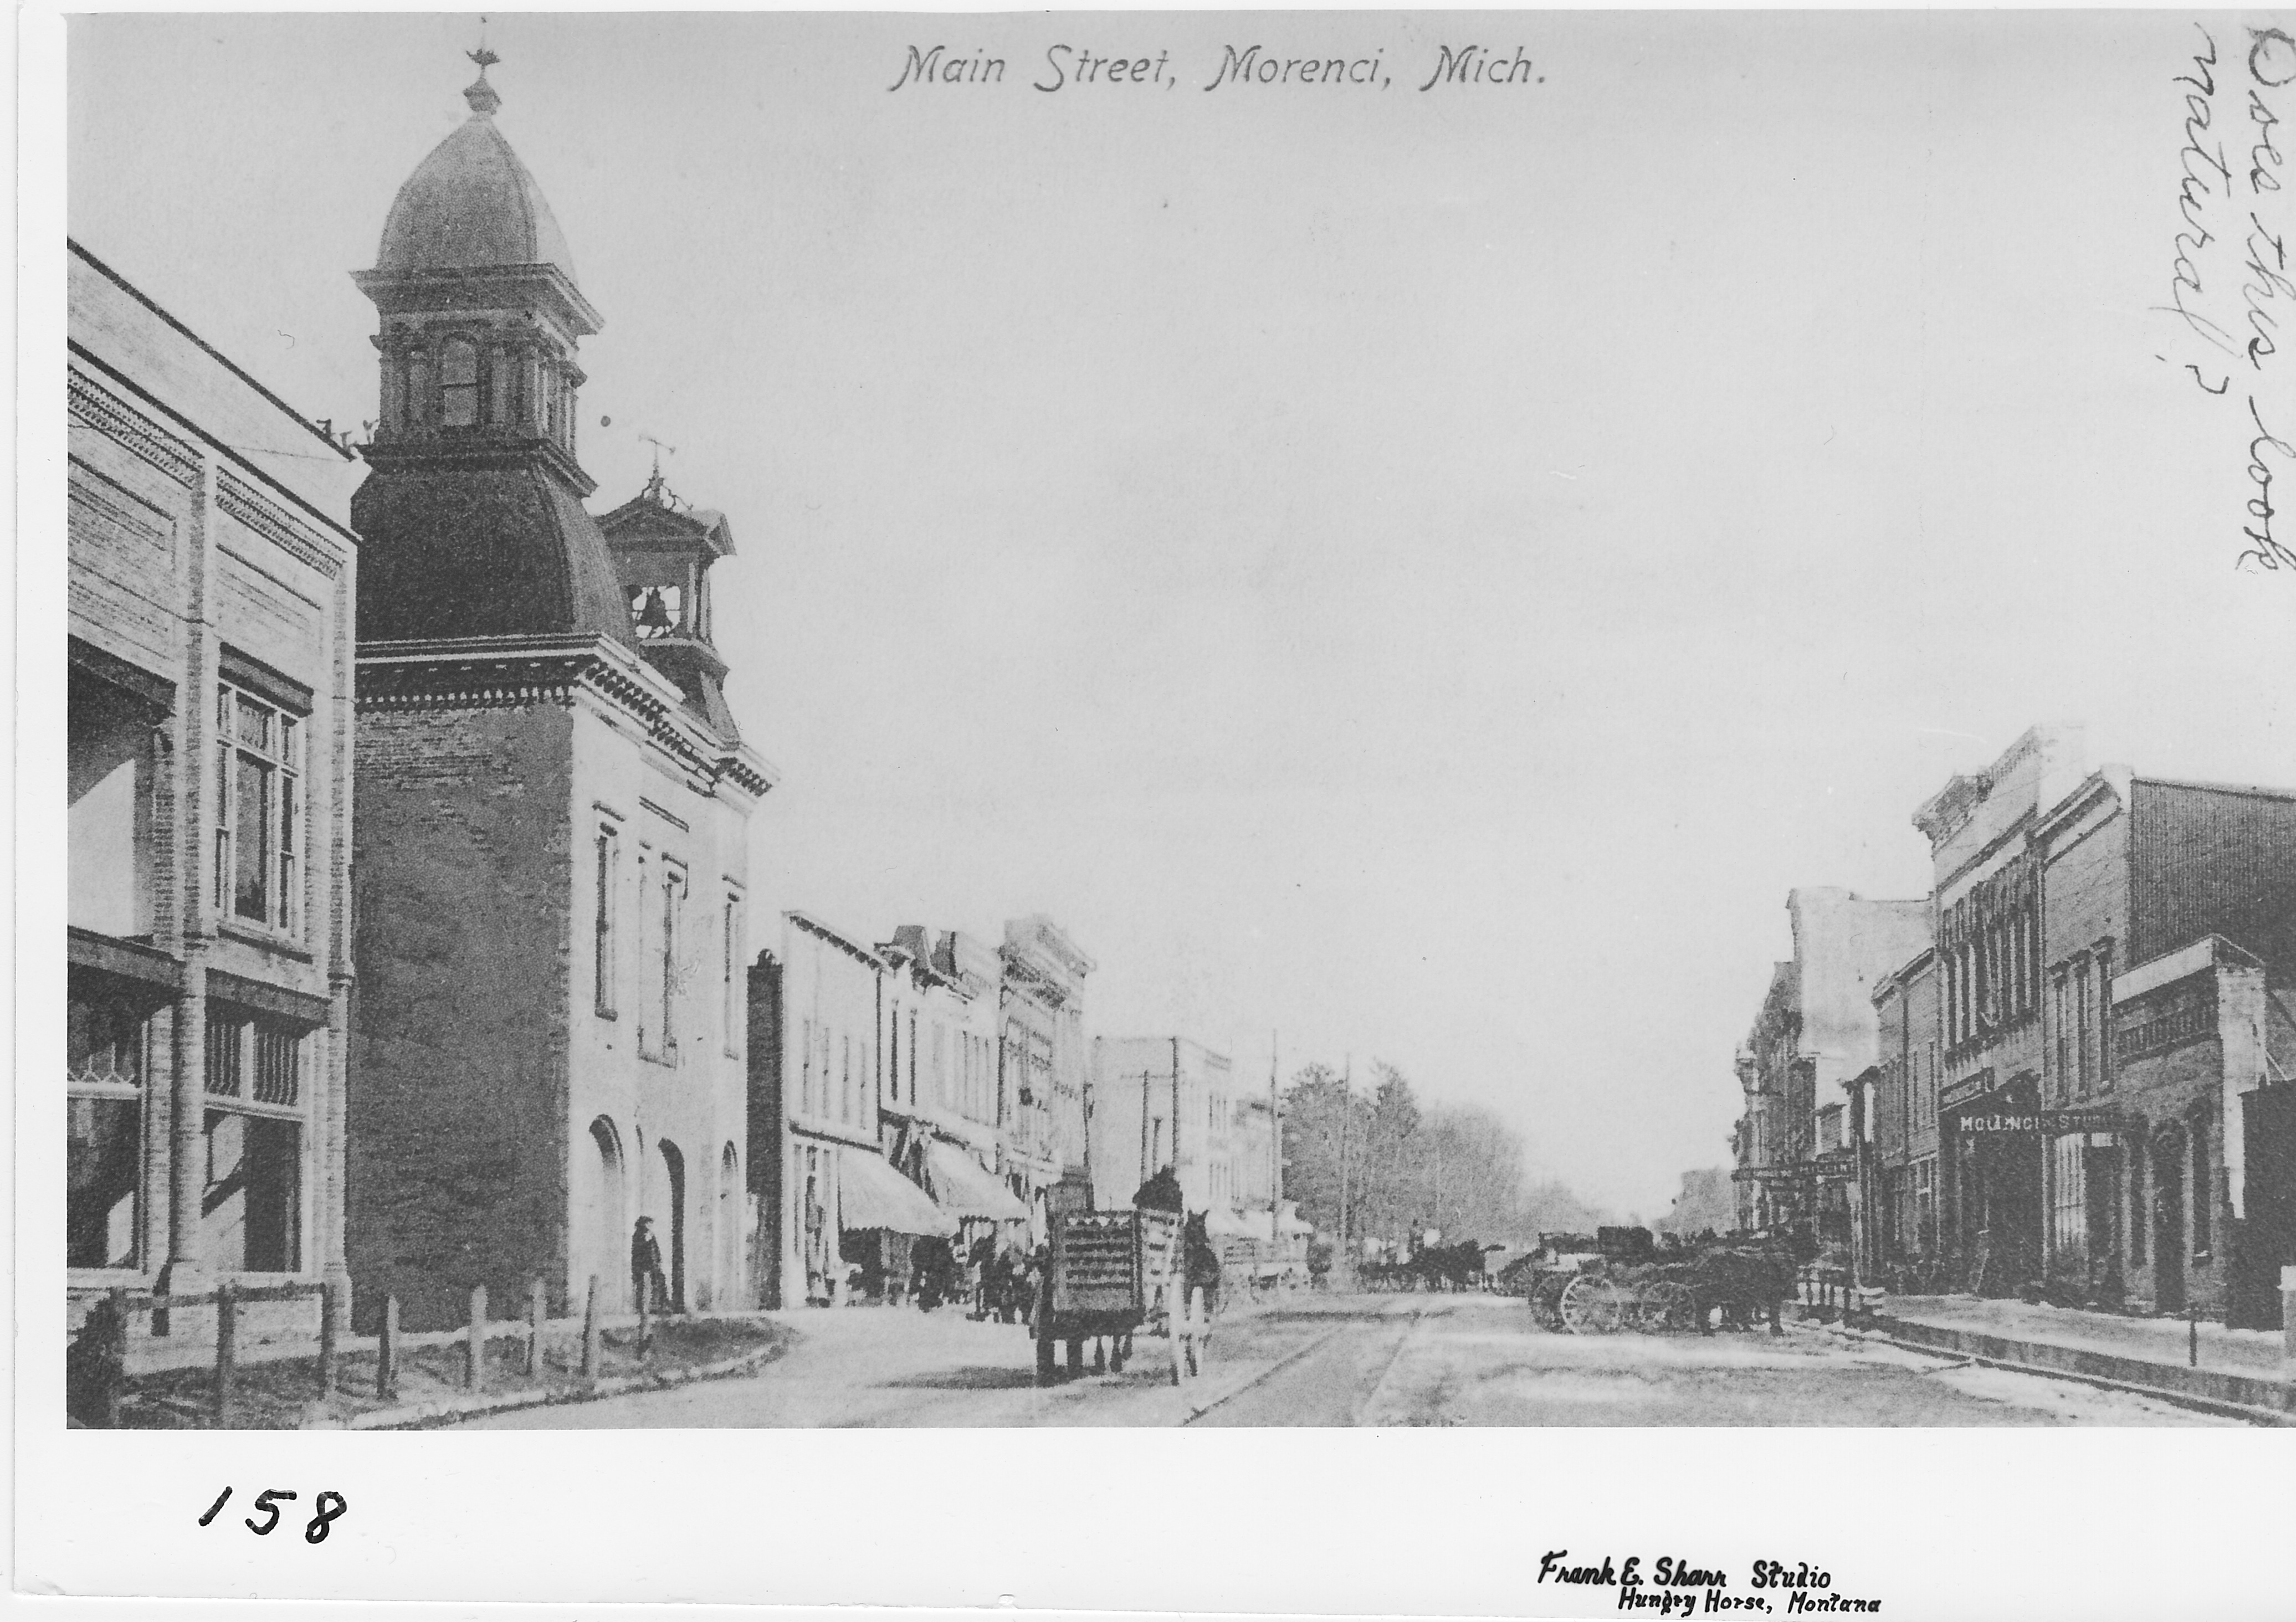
point(551, 849)
point(474, 512)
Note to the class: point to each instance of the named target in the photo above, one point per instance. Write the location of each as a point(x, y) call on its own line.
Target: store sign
point(2031, 1123)
point(1808, 1174)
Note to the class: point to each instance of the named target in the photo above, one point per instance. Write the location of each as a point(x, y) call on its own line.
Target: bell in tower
point(663, 549)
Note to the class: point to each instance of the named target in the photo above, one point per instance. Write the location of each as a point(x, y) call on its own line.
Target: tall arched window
point(414, 411)
point(458, 383)
point(502, 380)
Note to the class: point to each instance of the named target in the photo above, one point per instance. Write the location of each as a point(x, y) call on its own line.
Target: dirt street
point(1356, 1360)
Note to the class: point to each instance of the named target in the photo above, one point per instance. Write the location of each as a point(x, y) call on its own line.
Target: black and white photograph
point(1568, 728)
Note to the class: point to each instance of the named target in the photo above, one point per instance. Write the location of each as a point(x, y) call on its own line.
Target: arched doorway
point(729, 1230)
point(606, 1199)
point(673, 1166)
point(2168, 1219)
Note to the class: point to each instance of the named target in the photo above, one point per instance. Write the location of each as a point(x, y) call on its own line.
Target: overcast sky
point(1424, 573)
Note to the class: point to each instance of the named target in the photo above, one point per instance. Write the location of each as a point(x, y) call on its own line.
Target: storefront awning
point(962, 1189)
point(875, 1196)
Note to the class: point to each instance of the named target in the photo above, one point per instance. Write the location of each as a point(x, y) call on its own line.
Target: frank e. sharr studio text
point(1068, 67)
point(1673, 1587)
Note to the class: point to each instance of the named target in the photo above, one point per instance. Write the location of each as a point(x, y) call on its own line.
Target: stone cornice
point(494, 672)
point(422, 292)
point(478, 450)
point(91, 397)
point(267, 519)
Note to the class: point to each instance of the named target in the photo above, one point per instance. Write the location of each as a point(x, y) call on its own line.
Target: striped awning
point(962, 1189)
point(874, 1195)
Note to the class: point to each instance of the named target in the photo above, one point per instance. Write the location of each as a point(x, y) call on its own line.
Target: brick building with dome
point(550, 863)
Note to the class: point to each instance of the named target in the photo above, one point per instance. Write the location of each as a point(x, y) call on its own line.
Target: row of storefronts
point(2079, 1083)
point(934, 1089)
point(905, 1091)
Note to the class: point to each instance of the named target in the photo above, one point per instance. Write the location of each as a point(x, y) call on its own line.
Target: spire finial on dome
point(480, 95)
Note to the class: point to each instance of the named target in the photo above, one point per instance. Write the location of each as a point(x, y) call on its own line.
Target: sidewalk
point(2240, 1368)
point(277, 1387)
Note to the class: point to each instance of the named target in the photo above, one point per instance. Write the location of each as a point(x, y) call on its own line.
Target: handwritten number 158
point(268, 1503)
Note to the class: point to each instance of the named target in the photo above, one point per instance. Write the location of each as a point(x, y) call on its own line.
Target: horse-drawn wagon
point(1111, 1273)
point(1622, 1281)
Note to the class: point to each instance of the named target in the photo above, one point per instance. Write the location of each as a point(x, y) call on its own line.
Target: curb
point(2032, 1357)
point(416, 1416)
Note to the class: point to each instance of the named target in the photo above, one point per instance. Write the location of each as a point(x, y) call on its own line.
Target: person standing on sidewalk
point(645, 1265)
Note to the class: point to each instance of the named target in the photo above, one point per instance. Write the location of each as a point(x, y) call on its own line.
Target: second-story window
point(673, 884)
point(609, 859)
point(258, 810)
point(2084, 1060)
point(458, 383)
point(2204, 1188)
point(732, 984)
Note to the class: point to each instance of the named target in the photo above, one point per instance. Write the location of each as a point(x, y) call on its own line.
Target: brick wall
point(2211, 861)
point(458, 1102)
point(766, 1119)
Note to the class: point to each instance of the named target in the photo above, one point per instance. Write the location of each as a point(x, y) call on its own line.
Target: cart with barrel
point(1110, 1275)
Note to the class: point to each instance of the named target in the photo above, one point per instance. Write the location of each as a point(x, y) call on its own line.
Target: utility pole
point(1175, 1108)
point(1275, 1134)
point(1347, 1108)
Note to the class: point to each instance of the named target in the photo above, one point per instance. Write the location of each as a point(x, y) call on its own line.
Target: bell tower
point(474, 507)
point(663, 548)
point(551, 855)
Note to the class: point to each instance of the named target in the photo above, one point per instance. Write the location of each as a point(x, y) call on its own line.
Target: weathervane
point(480, 95)
point(655, 491)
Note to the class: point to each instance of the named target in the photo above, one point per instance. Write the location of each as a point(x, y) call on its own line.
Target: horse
point(1458, 1267)
point(1743, 1281)
point(1200, 1262)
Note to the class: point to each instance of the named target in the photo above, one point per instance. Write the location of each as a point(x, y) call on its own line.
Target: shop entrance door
point(2269, 1242)
point(2169, 1223)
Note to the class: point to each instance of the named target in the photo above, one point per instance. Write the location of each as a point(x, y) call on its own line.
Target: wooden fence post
point(115, 1359)
point(475, 1379)
point(590, 1332)
point(329, 1303)
point(386, 1360)
point(534, 1311)
point(227, 1350)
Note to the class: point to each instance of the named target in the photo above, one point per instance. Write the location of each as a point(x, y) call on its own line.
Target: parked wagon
point(1600, 1292)
point(1111, 1273)
point(1263, 1266)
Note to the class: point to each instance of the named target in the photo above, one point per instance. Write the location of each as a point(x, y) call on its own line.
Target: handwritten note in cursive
point(2229, 281)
